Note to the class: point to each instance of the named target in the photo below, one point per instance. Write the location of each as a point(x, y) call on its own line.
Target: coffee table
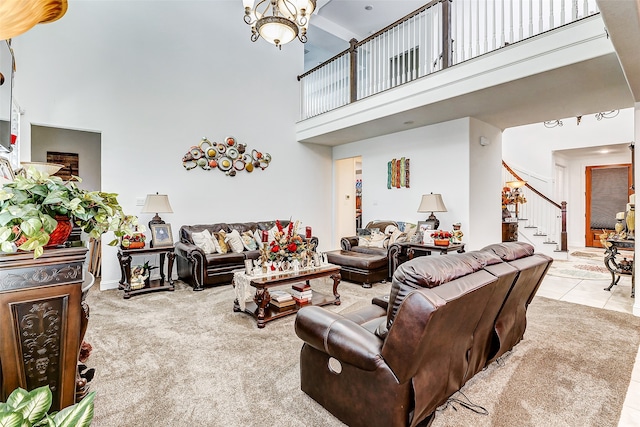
point(260, 308)
point(411, 250)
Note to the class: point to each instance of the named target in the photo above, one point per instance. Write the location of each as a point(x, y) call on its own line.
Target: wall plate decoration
point(398, 173)
point(229, 157)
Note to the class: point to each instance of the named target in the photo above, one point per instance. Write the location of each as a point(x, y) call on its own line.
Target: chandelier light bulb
point(278, 21)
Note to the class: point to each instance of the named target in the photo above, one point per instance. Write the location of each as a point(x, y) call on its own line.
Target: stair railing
point(549, 217)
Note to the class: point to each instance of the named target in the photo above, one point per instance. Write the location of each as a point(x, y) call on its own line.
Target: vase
point(631, 223)
point(441, 242)
point(61, 233)
point(135, 245)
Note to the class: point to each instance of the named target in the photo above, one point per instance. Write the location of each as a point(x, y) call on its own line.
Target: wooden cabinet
point(42, 321)
point(509, 231)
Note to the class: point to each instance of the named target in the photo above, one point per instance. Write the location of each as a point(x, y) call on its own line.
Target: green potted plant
point(29, 408)
point(37, 210)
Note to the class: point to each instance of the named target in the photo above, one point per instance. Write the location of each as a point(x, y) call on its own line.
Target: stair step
point(530, 226)
point(549, 243)
point(540, 234)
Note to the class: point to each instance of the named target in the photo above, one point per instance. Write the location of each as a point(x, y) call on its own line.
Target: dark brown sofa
point(199, 269)
point(447, 317)
point(361, 264)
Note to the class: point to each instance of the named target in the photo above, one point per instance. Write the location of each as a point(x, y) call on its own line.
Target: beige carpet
point(185, 358)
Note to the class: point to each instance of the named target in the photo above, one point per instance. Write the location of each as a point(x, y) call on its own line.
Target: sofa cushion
point(375, 240)
point(363, 261)
point(511, 250)
point(231, 258)
point(426, 272)
point(204, 241)
point(234, 241)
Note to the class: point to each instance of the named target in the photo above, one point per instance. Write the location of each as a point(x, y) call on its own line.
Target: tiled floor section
point(591, 292)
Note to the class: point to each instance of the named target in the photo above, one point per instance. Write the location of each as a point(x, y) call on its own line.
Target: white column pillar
point(636, 132)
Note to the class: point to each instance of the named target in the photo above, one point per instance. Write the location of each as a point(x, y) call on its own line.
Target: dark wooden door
point(607, 192)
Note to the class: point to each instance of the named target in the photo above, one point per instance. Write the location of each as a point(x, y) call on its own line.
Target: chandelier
point(278, 21)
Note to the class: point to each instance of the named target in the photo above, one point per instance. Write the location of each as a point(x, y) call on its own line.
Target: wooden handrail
point(562, 206)
point(516, 176)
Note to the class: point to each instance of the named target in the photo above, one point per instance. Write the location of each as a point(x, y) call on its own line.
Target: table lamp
point(156, 203)
point(432, 203)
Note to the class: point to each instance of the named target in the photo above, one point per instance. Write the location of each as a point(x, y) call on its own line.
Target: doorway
point(347, 173)
point(608, 189)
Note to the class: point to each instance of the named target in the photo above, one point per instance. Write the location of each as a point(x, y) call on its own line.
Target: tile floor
point(591, 292)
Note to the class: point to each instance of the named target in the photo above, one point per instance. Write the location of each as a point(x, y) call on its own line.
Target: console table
point(619, 268)
point(125, 256)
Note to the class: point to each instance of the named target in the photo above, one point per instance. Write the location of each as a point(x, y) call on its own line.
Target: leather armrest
point(381, 301)
point(185, 250)
point(339, 337)
point(347, 242)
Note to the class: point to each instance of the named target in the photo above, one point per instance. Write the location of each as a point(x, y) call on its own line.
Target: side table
point(125, 256)
point(619, 268)
point(411, 250)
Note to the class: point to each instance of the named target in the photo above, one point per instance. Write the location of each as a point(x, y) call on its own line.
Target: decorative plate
point(225, 163)
point(232, 152)
point(239, 164)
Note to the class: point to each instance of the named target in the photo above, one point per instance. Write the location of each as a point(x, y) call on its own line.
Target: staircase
point(541, 221)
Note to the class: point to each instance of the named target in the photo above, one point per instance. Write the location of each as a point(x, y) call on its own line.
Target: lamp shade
point(516, 184)
point(157, 203)
point(277, 30)
point(432, 203)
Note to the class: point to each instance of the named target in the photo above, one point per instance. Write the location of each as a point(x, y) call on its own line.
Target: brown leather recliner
point(398, 365)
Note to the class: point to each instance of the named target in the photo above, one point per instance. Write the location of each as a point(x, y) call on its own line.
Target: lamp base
point(436, 221)
point(155, 220)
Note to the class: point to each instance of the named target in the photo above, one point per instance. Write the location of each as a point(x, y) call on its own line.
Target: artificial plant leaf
point(16, 397)
point(31, 226)
point(49, 224)
point(5, 233)
point(78, 415)
point(36, 405)
point(11, 419)
point(6, 247)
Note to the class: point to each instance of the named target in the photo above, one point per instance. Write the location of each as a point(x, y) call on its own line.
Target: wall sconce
point(607, 114)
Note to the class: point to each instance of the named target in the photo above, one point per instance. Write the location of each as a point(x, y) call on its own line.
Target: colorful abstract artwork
point(398, 173)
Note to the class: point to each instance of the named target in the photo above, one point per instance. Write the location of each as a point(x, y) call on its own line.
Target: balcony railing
point(436, 36)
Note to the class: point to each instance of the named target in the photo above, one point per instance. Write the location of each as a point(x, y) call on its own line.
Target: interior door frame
point(591, 235)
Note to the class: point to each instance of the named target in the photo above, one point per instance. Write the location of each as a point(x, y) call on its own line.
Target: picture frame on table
point(161, 235)
point(426, 228)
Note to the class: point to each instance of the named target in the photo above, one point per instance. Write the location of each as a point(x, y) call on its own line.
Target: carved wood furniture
point(260, 308)
point(42, 322)
point(509, 231)
point(126, 255)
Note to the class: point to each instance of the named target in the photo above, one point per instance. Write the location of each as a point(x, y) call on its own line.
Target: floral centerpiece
point(286, 247)
point(441, 238)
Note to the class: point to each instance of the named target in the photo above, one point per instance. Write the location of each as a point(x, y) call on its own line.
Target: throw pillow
point(221, 236)
point(257, 236)
point(376, 240)
point(396, 236)
point(248, 241)
point(234, 241)
point(204, 241)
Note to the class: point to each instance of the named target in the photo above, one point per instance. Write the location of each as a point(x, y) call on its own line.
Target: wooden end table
point(260, 308)
point(411, 250)
point(125, 256)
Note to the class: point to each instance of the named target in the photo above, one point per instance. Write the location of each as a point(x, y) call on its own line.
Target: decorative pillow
point(204, 241)
point(410, 230)
point(248, 241)
point(397, 236)
point(257, 236)
point(272, 233)
point(376, 240)
point(221, 236)
point(234, 241)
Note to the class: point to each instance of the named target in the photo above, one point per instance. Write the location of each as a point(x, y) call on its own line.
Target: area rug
point(184, 358)
point(579, 270)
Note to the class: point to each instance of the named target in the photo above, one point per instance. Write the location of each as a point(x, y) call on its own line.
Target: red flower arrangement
point(287, 244)
point(440, 235)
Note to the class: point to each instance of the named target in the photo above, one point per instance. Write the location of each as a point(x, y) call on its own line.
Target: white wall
point(154, 78)
point(85, 144)
point(441, 162)
point(530, 149)
point(345, 198)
